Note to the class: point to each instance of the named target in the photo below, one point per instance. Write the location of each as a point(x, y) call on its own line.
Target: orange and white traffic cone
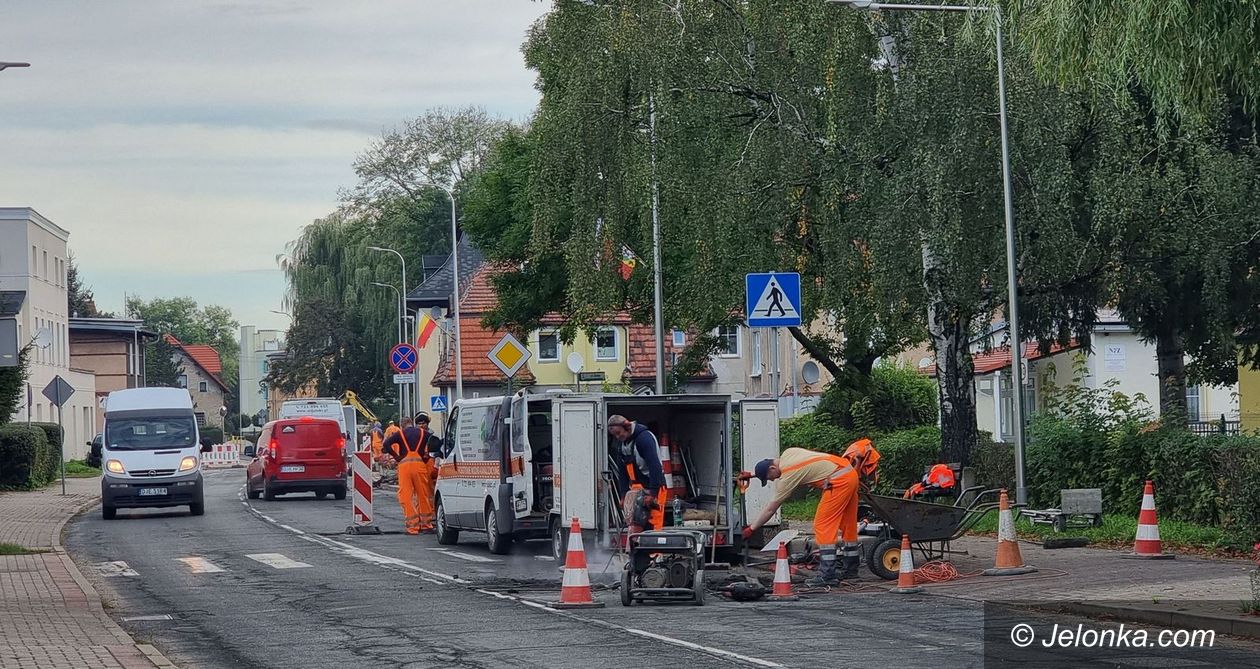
point(1008, 561)
point(782, 591)
point(575, 589)
point(905, 571)
point(1147, 544)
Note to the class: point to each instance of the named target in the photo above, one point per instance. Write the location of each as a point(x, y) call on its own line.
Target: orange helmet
point(863, 450)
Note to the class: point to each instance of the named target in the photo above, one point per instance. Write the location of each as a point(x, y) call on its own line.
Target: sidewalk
point(1188, 591)
point(52, 617)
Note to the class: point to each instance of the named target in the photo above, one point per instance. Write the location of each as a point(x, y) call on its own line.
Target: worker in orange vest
point(378, 438)
point(410, 448)
point(839, 479)
point(639, 452)
point(938, 479)
point(428, 484)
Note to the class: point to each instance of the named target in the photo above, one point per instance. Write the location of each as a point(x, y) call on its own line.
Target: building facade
point(201, 376)
point(34, 263)
point(255, 346)
point(113, 350)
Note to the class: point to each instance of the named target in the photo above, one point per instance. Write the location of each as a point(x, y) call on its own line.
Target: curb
point(1163, 617)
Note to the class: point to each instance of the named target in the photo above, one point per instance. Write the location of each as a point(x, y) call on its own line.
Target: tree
point(13, 385)
point(161, 366)
point(191, 323)
point(82, 303)
point(324, 349)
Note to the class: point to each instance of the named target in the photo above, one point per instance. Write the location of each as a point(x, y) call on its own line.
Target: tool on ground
point(1008, 561)
point(1147, 544)
point(575, 589)
point(782, 591)
point(905, 572)
point(664, 565)
point(741, 482)
point(744, 591)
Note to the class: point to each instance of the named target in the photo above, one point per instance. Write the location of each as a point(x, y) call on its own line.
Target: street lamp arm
point(881, 6)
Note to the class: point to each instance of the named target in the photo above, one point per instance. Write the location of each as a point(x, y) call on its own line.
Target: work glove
point(744, 476)
point(747, 533)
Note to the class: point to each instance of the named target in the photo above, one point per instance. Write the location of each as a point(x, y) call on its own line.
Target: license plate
point(152, 492)
point(292, 469)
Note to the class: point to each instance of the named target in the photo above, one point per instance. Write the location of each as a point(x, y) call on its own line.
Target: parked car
point(94, 450)
point(304, 454)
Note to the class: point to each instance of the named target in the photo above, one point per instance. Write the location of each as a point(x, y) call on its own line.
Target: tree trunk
point(1170, 355)
point(816, 352)
point(949, 330)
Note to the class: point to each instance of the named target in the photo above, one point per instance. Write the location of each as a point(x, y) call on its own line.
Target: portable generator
point(664, 565)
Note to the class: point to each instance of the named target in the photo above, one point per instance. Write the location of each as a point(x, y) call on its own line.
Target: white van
point(522, 467)
point(321, 407)
point(151, 452)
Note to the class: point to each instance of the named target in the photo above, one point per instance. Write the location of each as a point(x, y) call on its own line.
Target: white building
point(34, 262)
point(256, 345)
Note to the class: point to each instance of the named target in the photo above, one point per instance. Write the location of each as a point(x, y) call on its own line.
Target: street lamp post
point(1017, 348)
point(6, 65)
point(402, 312)
point(402, 406)
point(459, 351)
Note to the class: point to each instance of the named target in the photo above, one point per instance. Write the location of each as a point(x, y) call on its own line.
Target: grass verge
point(79, 469)
point(14, 549)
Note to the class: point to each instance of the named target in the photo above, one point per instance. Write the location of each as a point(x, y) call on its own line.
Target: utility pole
point(658, 325)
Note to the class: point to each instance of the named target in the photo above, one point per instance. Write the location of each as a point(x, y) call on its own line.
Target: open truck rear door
point(759, 439)
point(520, 467)
point(576, 427)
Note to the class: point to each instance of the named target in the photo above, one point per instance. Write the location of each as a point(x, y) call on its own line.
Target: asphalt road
point(277, 584)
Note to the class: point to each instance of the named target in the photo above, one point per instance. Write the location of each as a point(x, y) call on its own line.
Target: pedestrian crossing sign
point(773, 299)
point(437, 404)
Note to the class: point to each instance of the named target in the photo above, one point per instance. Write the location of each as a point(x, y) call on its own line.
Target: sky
point(183, 143)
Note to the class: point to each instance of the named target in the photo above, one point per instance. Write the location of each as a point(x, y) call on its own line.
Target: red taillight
point(341, 443)
point(273, 447)
point(306, 419)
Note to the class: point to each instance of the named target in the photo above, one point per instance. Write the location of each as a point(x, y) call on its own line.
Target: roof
point(641, 364)
point(480, 297)
point(999, 358)
point(435, 291)
point(118, 325)
point(203, 356)
point(475, 345)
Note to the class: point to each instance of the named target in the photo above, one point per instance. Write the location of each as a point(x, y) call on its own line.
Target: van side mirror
point(206, 446)
point(249, 451)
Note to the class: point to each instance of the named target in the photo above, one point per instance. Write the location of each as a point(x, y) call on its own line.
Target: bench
point(1078, 508)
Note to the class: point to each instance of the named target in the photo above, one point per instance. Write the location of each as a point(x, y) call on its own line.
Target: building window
point(183, 380)
point(201, 418)
point(756, 353)
point(1193, 406)
point(548, 347)
point(606, 344)
point(34, 259)
point(203, 386)
point(680, 339)
point(45, 265)
point(728, 341)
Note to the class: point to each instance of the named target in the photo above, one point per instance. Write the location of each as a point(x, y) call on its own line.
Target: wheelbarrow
point(930, 526)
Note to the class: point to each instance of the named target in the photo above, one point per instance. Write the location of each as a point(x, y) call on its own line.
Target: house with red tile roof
point(202, 376)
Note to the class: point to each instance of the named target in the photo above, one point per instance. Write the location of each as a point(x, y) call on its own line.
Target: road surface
point(276, 584)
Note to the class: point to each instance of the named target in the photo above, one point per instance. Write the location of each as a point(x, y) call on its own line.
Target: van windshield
point(147, 434)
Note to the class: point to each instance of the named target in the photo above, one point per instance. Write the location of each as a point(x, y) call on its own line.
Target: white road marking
point(164, 616)
point(276, 560)
point(292, 529)
point(464, 556)
point(200, 565)
point(267, 518)
point(111, 569)
point(394, 563)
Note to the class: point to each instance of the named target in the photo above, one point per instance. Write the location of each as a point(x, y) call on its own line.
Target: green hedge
point(214, 434)
point(25, 457)
point(50, 466)
point(904, 455)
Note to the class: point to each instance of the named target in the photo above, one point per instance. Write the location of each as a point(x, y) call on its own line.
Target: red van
point(304, 454)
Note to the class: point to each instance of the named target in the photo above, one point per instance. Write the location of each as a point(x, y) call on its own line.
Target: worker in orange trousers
point(411, 448)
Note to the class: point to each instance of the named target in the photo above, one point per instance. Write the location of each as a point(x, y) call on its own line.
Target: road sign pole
point(61, 447)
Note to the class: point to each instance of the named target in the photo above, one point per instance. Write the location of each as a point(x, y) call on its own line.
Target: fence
point(1220, 426)
point(220, 455)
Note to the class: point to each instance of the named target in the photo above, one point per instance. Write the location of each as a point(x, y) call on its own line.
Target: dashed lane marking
point(200, 565)
point(464, 556)
point(164, 616)
point(276, 560)
point(112, 569)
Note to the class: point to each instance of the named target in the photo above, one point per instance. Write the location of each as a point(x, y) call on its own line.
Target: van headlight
point(189, 462)
point(115, 467)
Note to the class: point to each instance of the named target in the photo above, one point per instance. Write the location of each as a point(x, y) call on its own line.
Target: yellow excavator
point(351, 398)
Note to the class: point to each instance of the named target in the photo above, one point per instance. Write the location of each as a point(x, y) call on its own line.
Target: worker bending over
point(640, 453)
point(839, 479)
point(414, 447)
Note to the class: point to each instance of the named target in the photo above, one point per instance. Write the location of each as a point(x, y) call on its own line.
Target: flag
point(628, 262)
point(427, 326)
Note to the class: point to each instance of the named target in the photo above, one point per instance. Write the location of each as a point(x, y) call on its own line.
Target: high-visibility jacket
point(939, 477)
point(802, 467)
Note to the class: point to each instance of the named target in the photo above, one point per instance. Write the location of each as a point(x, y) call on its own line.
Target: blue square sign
point(437, 404)
point(773, 299)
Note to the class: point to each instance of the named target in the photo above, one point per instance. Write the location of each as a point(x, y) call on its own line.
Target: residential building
point(113, 350)
point(1249, 399)
point(33, 266)
point(202, 368)
point(255, 346)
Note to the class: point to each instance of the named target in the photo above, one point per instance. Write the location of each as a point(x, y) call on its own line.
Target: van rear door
point(315, 445)
point(759, 439)
point(520, 459)
point(577, 457)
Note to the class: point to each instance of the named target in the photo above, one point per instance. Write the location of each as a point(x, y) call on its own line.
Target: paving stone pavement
point(53, 619)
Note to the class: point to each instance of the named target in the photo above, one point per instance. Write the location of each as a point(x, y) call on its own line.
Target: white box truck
point(521, 467)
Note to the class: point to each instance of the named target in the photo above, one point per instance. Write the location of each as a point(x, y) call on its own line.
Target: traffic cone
point(575, 589)
point(1147, 545)
point(782, 591)
point(905, 572)
point(1008, 561)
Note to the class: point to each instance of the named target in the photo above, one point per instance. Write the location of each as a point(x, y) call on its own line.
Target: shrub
point(906, 455)
point(994, 463)
point(50, 464)
point(24, 454)
point(814, 432)
point(214, 434)
point(892, 398)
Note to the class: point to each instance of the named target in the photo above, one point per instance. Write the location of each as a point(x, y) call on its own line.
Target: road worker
point(939, 479)
point(410, 447)
point(378, 438)
point(838, 477)
point(639, 452)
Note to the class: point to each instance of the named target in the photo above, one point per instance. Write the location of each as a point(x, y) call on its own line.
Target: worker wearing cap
point(411, 447)
point(640, 452)
point(838, 479)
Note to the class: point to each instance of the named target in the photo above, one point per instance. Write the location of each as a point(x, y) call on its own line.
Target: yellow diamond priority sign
point(509, 355)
